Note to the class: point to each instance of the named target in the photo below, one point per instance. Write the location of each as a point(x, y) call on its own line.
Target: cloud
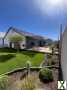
point(51, 7)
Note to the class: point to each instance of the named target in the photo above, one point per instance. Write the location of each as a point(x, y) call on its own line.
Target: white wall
point(13, 33)
point(64, 55)
point(1, 42)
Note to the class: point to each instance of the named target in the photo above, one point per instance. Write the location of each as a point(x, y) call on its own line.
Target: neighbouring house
point(64, 53)
point(30, 40)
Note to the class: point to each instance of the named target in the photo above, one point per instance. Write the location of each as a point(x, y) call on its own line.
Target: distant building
point(30, 40)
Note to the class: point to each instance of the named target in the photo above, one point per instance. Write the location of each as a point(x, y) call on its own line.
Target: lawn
point(10, 59)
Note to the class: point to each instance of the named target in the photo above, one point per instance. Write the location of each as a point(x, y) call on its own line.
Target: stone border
point(32, 68)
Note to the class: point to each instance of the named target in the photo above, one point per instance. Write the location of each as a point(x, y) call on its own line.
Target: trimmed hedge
point(45, 75)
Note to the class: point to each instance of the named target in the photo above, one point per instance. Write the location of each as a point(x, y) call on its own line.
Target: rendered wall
point(13, 33)
point(64, 55)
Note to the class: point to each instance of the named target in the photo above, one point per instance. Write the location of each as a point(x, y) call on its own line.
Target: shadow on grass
point(4, 58)
point(9, 50)
point(27, 53)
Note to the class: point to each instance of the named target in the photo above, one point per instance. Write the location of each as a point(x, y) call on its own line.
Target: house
point(1, 42)
point(30, 40)
point(64, 53)
point(1, 38)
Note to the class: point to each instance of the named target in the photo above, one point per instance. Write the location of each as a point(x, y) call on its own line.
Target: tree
point(16, 40)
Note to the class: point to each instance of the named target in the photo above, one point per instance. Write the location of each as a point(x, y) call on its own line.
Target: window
point(23, 45)
point(32, 43)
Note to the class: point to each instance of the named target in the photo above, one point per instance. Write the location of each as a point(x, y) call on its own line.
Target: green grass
point(10, 59)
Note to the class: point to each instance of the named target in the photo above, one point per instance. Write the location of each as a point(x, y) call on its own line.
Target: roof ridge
point(24, 33)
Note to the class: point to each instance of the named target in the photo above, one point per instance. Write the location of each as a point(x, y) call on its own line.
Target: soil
point(15, 79)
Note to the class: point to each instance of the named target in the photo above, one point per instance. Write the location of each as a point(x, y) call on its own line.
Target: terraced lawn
point(11, 59)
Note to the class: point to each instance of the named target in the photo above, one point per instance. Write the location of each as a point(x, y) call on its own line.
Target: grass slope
point(10, 59)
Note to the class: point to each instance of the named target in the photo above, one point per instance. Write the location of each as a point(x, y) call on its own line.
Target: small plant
point(45, 75)
point(28, 83)
point(28, 65)
point(3, 82)
point(49, 56)
point(51, 62)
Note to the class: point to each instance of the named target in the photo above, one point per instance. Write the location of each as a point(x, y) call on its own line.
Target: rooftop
point(25, 33)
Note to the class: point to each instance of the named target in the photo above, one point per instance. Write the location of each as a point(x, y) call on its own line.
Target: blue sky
point(42, 17)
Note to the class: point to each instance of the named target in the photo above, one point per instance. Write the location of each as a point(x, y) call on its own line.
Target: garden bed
point(13, 64)
point(18, 76)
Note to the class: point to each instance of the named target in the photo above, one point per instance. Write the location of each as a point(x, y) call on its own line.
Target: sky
point(41, 17)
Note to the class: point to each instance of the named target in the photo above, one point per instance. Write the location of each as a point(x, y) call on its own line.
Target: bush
point(28, 83)
point(3, 82)
point(51, 62)
point(45, 75)
point(49, 56)
point(28, 64)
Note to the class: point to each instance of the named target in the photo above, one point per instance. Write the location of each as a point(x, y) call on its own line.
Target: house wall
point(64, 55)
point(32, 42)
point(28, 41)
point(13, 33)
point(1, 42)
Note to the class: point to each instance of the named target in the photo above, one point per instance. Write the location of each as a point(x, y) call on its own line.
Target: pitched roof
point(22, 32)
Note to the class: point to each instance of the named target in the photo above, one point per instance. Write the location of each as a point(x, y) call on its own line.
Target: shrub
point(28, 65)
point(51, 62)
point(45, 75)
point(3, 82)
point(49, 56)
point(28, 83)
